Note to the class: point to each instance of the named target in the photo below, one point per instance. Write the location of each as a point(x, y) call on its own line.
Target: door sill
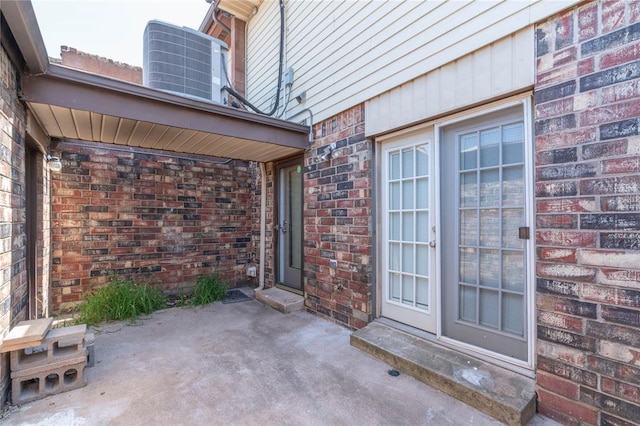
point(408, 329)
point(520, 367)
point(290, 289)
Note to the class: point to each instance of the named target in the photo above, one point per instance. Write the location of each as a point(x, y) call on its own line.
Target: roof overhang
point(77, 105)
point(72, 104)
point(242, 9)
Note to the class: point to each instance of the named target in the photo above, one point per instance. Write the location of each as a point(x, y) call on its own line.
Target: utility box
point(251, 271)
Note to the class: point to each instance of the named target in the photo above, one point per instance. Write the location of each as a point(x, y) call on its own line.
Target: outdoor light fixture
point(55, 165)
point(332, 152)
point(302, 96)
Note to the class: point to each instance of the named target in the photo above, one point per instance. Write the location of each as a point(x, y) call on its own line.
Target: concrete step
point(507, 396)
point(281, 300)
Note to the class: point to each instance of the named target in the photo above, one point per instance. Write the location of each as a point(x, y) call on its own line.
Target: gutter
point(208, 19)
point(22, 21)
point(97, 81)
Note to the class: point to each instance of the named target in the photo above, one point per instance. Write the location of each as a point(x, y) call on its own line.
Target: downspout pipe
point(306, 111)
point(263, 224)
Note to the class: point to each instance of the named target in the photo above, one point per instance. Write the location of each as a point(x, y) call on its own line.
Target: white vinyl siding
point(498, 69)
point(346, 52)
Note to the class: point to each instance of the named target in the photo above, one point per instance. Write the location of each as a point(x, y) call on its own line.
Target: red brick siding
point(167, 219)
point(14, 300)
point(338, 218)
point(95, 64)
point(588, 214)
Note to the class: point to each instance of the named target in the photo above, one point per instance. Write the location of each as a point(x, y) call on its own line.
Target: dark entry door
point(290, 252)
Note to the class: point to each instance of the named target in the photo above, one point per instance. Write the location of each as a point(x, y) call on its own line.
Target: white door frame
point(524, 99)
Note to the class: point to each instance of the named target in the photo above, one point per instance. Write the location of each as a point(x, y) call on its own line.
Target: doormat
point(234, 296)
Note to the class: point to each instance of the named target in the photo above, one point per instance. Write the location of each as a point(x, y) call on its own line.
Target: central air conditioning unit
point(184, 61)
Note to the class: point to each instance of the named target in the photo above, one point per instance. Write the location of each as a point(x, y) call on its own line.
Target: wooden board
point(26, 334)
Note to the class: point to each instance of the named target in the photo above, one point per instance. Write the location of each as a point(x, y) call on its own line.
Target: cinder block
point(32, 384)
point(60, 344)
point(26, 334)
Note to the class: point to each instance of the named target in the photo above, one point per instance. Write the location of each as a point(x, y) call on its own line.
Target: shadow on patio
point(240, 363)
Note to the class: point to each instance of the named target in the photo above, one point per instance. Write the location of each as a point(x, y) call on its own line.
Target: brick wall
point(338, 222)
point(588, 214)
point(73, 58)
point(166, 219)
point(270, 255)
point(13, 277)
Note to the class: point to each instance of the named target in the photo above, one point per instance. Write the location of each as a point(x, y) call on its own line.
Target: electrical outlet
point(333, 263)
point(251, 271)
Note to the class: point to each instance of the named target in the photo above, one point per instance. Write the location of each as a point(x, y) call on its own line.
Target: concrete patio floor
point(241, 364)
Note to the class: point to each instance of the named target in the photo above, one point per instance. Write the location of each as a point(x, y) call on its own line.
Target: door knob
point(432, 243)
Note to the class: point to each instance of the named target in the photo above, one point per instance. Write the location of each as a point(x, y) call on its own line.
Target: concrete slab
point(503, 394)
point(241, 364)
point(281, 300)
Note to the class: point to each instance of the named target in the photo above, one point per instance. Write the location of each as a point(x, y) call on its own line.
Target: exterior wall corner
point(588, 214)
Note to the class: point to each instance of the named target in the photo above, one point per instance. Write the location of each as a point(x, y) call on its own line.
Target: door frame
point(524, 367)
point(278, 165)
point(32, 217)
point(524, 99)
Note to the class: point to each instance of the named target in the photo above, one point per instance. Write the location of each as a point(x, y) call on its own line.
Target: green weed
point(209, 288)
point(119, 300)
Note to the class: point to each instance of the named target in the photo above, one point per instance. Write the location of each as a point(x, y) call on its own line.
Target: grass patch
point(120, 299)
point(209, 288)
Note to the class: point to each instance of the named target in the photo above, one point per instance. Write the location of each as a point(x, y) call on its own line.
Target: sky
point(110, 28)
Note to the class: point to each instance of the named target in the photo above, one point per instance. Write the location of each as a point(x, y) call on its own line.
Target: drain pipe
point(263, 224)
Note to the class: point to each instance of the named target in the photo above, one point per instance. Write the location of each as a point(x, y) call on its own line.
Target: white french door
point(456, 254)
point(407, 232)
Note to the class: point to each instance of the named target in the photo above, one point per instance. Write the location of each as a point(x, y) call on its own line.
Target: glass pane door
point(483, 207)
point(491, 209)
point(290, 253)
point(407, 255)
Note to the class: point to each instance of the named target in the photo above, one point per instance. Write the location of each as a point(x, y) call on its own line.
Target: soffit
point(77, 105)
point(242, 9)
